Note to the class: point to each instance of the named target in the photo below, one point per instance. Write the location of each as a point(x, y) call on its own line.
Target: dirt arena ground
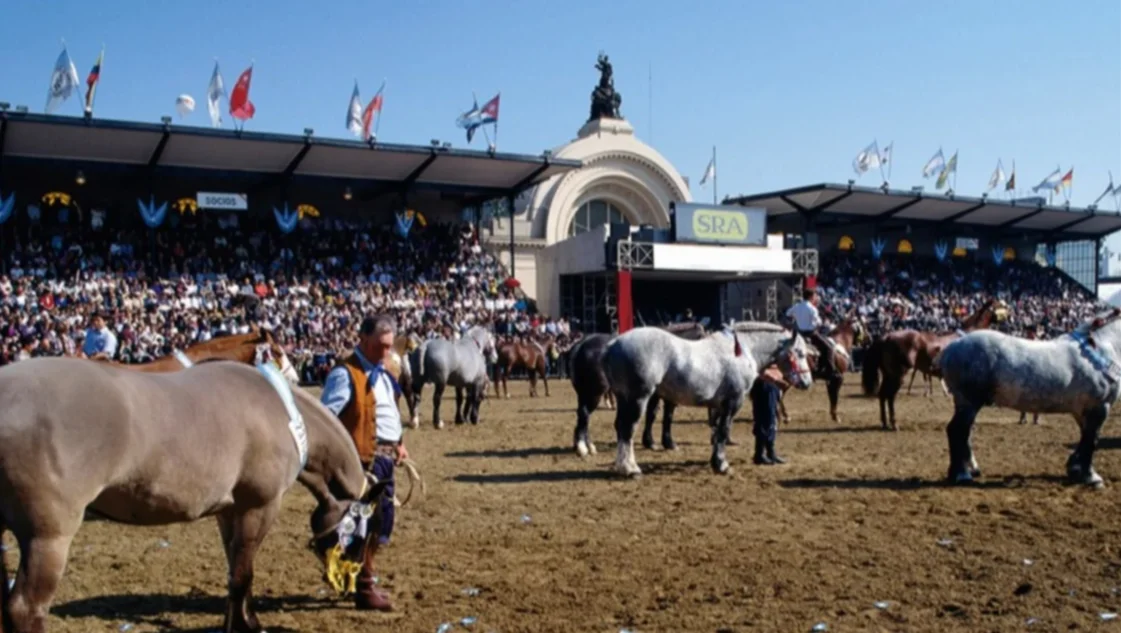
point(856, 532)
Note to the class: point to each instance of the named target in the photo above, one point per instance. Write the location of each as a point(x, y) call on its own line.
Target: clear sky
point(788, 92)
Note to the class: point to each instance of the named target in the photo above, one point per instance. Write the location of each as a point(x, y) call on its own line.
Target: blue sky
point(788, 92)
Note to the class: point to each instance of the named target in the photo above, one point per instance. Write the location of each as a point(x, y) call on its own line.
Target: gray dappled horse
point(1077, 373)
point(461, 364)
point(216, 439)
point(715, 372)
point(590, 384)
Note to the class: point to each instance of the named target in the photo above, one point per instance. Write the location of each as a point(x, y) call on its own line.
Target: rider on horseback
point(806, 322)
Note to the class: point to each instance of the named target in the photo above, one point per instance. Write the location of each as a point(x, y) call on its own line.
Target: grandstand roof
point(833, 205)
point(60, 138)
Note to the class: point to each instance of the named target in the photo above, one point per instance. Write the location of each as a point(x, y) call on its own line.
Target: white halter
point(296, 424)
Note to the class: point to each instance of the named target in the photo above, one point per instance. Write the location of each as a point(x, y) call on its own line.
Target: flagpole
point(714, 175)
point(955, 171)
point(880, 159)
point(381, 108)
point(499, 97)
point(486, 135)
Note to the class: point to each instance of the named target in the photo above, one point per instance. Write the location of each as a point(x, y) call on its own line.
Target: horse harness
point(1098, 358)
point(296, 425)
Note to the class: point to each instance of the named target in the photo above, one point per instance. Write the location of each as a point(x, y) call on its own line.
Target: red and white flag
point(373, 110)
point(240, 106)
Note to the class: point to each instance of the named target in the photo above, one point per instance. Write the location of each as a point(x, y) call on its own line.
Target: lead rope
point(414, 476)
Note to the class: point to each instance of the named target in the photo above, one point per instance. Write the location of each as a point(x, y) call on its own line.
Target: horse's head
point(485, 340)
point(342, 530)
point(268, 350)
point(793, 360)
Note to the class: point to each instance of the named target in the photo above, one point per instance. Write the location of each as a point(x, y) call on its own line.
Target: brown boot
point(367, 596)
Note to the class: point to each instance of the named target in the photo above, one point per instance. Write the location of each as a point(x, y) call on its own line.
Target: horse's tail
point(419, 370)
point(870, 372)
point(5, 589)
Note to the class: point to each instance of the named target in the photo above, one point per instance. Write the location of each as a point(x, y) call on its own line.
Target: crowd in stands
point(170, 289)
point(925, 294)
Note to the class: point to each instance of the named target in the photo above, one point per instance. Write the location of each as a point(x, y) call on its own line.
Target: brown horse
point(895, 353)
point(529, 355)
point(82, 436)
point(256, 346)
point(845, 337)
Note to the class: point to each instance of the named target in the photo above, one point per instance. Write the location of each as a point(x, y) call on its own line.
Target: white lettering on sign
point(226, 201)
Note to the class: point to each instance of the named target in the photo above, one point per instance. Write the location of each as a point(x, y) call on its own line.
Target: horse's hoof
point(507, 396)
point(961, 478)
point(581, 449)
point(626, 470)
point(975, 473)
point(439, 424)
point(591, 448)
point(1095, 480)
point(671, 446)
point(648, 444)
point(722, 468)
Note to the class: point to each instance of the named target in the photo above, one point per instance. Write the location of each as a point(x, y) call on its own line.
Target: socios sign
point(720, 224)
point(223, 201)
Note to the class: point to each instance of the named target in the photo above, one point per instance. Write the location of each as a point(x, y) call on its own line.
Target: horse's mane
point(748, 327)
point(682, 327)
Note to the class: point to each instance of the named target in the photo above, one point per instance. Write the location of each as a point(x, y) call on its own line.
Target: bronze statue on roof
point(605, 100)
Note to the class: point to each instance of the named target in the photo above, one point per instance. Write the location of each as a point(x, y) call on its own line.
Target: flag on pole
point(997, 177)
point(64, 79)
point(710, 171)
point(935, 165)
point(1051, 182)
point(477, 117)
point(354, 112)
point(1011, 184)
point(92, 79)
point(373, 110)
point(214, 93)
point(241, 107)
point(1067, 180)
point(951, 167)
point(1109, 189)
point(868, 158)
point(885, 155)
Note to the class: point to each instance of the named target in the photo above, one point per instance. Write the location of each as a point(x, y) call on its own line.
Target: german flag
point(1067, 180)
point(91, 81)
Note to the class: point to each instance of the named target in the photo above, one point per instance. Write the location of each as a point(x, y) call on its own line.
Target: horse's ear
point(736, 345)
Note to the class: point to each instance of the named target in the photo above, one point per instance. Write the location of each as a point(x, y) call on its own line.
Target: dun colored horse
point(895, 353)
point(529, 355)
point(80, 435)
point(845, 337)
point(255, 347)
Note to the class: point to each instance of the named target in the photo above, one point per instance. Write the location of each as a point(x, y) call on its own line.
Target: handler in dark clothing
point(764, 408)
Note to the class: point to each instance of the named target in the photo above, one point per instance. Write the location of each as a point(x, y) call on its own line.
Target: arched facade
point(619, 170)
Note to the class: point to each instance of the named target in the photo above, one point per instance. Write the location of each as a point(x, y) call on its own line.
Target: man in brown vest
point(362, 390)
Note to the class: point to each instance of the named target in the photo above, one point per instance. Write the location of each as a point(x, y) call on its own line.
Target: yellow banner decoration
point(183, 205)
point(307, 211)
point(56, 197)
point(417, 215)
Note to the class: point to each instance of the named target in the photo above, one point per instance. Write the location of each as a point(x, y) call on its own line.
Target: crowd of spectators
point(170, 289)
point(926, 294)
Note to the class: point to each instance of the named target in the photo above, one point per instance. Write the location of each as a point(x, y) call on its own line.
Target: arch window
point(594, 214)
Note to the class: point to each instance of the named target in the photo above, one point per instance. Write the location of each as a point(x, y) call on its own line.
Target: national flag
point(935, 165)
point(64, 79)
point(868, 158)
point(997, 177)
point(214, 92)
point(951, 167)
point(241, 107)
point(1067, 180)
point(354, 113)
point(1109, 189)
point(1050, 182)
point(710, 171)
point(91, 81)
point(477, 117)
point(372, 109)
point(1011, 184)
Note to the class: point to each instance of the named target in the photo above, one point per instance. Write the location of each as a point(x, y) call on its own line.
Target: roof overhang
point(36, 137)
point(847, 205)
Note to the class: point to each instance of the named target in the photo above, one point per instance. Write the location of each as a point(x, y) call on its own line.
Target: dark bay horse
point(895, 353)
point(590, 384)
point(530, 355)
point(845, 336)
point(80, 435)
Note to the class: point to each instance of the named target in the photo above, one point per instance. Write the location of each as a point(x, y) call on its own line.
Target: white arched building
point(622, 179)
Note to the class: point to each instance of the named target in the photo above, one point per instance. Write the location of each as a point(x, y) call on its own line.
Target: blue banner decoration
point(152, 215)
point(941, 250)
point(878, 246)
point(998, 255)
point(404, 222)
point(286, 220)
point(6, 206)
point(1050, 255)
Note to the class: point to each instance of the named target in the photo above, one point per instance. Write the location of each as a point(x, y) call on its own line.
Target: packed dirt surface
point(857, 532)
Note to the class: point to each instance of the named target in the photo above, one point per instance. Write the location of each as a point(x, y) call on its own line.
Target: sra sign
point(720, 224)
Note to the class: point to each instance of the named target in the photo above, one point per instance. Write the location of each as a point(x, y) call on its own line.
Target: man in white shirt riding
point(806, 320)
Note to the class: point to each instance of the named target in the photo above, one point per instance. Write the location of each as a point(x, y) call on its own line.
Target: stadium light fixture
point(4, 105)
point(547, 153)
point(884, 187)
point(491, 149)
point(309, 132)
point(1092, 207)
point(985, 196)
point(80, 178)
point(166, 120)
point(917, 189)
point(22, 109)
point(447, 145)
point(347, 194)
point(435, 142)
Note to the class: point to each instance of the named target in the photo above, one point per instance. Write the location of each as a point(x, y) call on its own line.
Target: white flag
point(935, 165)
point(710, 171)
point(1050, 182)
point(214, 92)
point(354, 113)
point(997, 177)
point(64, 79)
point(868, 158)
